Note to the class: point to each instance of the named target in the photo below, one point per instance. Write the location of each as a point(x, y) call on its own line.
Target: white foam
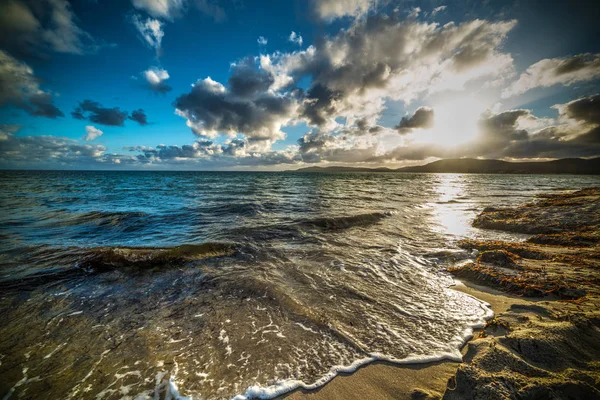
point(285, 386)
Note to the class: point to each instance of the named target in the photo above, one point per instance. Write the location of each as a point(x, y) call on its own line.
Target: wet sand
point(544, 341)
point(417, 381)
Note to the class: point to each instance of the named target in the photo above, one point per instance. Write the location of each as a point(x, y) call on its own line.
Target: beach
point(246, 285)
point(544, 340)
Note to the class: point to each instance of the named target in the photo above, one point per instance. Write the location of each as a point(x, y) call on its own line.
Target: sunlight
point(455, 121)
point(448, 211)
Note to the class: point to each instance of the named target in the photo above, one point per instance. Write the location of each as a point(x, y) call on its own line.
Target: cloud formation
point(93, 111)
point(166, 9)
point(150, 31)
point(423, 118)
point(139, 116)
point(20, 88)
point(262, 41)
point(45, 150)
point(156, 80)
point(92, 133)
point(556, 71)
point(171, 9)
point(295, 38)
point(382, 58)
point(30, 26)
point(245, 106)
point(332, 9)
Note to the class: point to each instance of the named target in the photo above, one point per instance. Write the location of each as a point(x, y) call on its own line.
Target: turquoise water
point(216, 285)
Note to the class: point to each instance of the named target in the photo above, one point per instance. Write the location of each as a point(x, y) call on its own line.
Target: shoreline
point(385, 380)
point(544, 338)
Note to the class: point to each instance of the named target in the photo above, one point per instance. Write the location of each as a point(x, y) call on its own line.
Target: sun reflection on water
point(448, 209)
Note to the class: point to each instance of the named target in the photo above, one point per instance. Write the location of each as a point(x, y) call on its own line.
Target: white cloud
point(262, 41)
point(332, 9)
point(156, 79)
point(295, 38)
point(554, 71)
point(150, 31)
point(438, 10)
point(166, 9)
point(92, 133)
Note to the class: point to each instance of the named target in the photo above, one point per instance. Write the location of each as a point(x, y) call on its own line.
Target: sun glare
point(455, 121)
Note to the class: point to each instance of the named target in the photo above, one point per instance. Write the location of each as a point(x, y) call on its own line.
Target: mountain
point(343, 169)
point(470, 165)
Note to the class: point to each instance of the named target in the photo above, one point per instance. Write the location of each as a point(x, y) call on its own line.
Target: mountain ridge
point(578, 166)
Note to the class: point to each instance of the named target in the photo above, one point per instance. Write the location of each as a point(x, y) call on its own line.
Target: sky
point(272, 85)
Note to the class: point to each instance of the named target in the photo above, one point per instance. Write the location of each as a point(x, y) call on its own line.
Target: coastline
point(544, 338)
point(385, 380)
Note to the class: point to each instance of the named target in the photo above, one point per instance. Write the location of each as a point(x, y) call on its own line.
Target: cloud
point(94, 112)
point(206, 153)
point(422, 119)
point(382, 58)
point(353, 75)
point(262, 41)
point(333, 9)
point(20, 88)
point(247, 81)
point(510, 134)
point(171, 9)
point(295, 38)
point(28, 27)
point(92, 133)
point(156, 77)
point(139, 116)
point(438, 10)
point(165, 9)
point(150, 31)
point(554, 71)
point(246, 106)
point(212, 9)
point(585, 114)
point(45, 150)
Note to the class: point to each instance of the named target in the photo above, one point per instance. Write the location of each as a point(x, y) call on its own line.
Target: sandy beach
point(544, 341)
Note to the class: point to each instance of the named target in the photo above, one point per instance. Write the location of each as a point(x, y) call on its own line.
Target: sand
point(544, 341)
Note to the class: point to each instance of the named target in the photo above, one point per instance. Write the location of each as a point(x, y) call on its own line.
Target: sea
point(235, 285)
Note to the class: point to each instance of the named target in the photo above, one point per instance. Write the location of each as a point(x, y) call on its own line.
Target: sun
point(455, 120)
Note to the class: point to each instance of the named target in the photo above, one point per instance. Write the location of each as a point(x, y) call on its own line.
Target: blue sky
point(95, 51)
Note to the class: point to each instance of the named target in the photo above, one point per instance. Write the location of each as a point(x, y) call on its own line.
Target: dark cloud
point(19, 87)
point(139, 116)
point(247, 81)
point(503, 126)
point(320, 104)
point(210, 109)
point(44, 150)
point(43, 106)
point(28, 27)
point(586, 109)
point(422, 119)
point(93, 111)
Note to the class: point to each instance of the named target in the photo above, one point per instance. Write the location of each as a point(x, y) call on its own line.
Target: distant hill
point(470, 165)
point(344, 169)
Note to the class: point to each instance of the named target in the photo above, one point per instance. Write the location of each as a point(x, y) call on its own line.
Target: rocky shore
point(546, 344)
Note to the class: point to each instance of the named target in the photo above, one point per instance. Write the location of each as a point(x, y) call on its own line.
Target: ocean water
point(220, 285)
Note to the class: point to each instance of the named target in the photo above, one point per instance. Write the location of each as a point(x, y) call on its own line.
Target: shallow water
point(215, 285)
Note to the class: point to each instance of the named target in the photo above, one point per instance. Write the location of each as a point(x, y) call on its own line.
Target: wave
point(45, 264)
point(109, 258)
point(346, 222)
point(101, 218)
